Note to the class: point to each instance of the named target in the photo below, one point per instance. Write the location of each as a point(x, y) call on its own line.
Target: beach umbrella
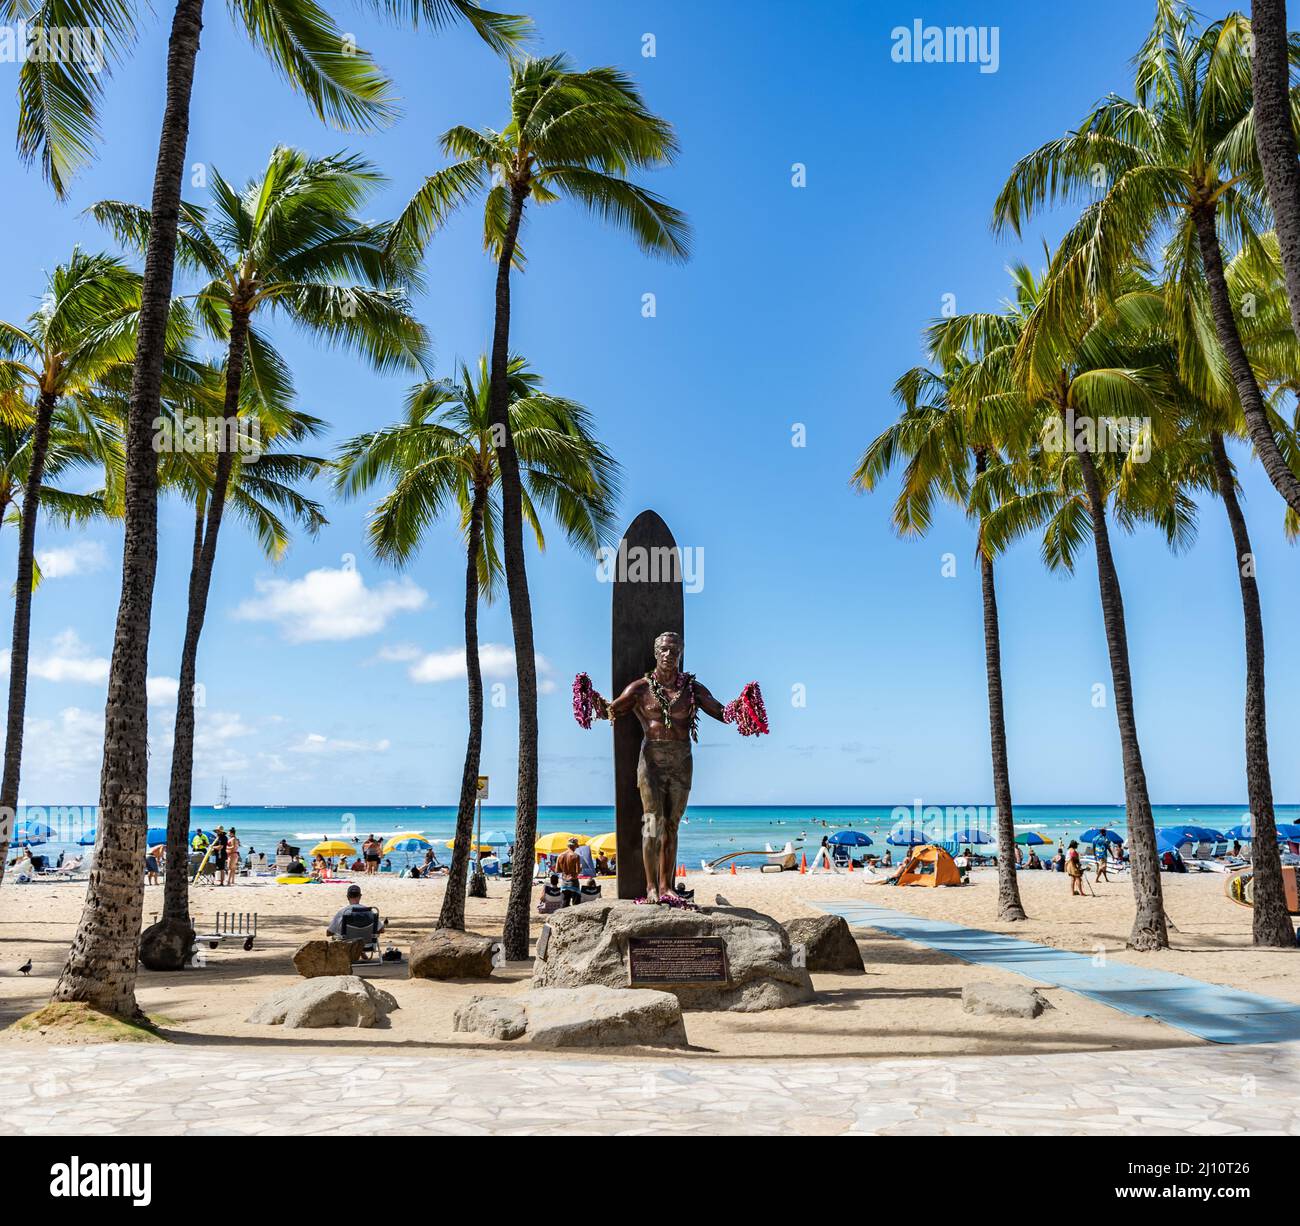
point(1095, 835)
point(333, 847)
point(1197, 834)
point(1032, 839)
point(902, 836)
point(408, 840)
point(1289, 831)
point(972, 834)
point(88, 839)
point(553, 844)
point(604, 845)
point(1168, 840)
point(498, 838)
point(850, 838)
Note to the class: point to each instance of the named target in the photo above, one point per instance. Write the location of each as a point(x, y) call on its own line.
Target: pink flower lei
point(584, 702)
point(747, 712)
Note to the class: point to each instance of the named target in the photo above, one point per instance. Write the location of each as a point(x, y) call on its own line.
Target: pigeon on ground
point(26, 968)
point(721, 902)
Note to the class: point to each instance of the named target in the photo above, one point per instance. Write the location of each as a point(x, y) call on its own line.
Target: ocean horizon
point(707, 831)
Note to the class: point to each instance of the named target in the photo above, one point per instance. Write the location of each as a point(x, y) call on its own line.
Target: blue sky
point(800, 307)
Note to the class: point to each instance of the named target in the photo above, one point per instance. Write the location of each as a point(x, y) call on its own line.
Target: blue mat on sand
point(1219, 1014)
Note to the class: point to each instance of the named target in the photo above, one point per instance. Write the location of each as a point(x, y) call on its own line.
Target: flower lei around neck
point(684, 682)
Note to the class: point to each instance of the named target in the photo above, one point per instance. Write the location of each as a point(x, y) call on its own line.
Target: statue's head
point(668, 650)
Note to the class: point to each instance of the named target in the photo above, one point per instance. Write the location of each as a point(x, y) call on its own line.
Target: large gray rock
point(448, 954)
point(312, 959)
point(591, 1016)
point(498, 1017)
point(339, 1000)
point(588, 945)
point(1003, 1000)
point(827, 941)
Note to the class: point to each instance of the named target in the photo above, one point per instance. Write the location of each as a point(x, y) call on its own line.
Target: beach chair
point(361, 924)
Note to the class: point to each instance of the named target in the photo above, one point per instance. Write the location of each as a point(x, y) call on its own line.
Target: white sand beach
point(908, 1002)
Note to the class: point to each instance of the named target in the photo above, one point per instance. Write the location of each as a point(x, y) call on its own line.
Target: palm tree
point(942, 442)
point(343, 86)
point(442, 457)
point(574, 135)
point(1081, 377)
point(1274, 53)
point(1179, 163)
point(50, 368)
point(283, 246)
point(1199, 461)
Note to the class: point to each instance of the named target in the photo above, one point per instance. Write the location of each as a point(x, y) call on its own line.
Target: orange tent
point(928, 865)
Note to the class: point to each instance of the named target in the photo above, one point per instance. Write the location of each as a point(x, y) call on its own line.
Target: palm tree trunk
point(1272, 924)
point(1270, 73)
point(1225, 326)
point(1010, 908)
point(165, 946)
point(519, 908)
point(101, 965)
point(1149, 930)
point(23, 623)
point(453, 901)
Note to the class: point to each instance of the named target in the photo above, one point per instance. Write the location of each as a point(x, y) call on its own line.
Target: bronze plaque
point(676, 960)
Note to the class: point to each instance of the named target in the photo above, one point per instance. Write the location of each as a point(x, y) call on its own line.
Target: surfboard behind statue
point(647, 600)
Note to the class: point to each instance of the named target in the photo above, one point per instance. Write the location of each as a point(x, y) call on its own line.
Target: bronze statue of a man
point(666, 702)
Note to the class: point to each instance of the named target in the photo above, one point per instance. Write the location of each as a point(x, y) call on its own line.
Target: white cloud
point(315, 743)
point(69, 659)
point(79, 558)
point(329, 605)
point(496, 660)
point(162, 691)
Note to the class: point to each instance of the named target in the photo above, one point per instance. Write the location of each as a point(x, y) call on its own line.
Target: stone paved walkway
point(148, 1090)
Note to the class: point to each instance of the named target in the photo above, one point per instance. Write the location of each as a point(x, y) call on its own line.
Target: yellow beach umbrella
point(333, 847)
point(553, 844)
point(479, 847)
point(604, 845)
point(409, 837)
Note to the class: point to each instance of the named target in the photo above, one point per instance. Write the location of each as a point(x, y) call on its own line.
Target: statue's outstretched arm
point(708, 704)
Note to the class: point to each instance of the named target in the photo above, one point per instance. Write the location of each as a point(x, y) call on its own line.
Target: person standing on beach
point(370, 849)
point(220, 844)
point(232, 857)
point(569, 866)
point(1101, 850)
point(1074, 869)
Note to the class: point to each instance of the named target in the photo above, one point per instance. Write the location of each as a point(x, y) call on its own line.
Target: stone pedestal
point(589, 944)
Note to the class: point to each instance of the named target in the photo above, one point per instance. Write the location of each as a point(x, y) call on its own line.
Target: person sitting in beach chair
point(552, 898)
point(590, 890)
point(357, 923)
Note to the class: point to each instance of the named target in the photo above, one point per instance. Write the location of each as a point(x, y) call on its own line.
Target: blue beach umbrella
point(155, 835)
point(1095, 835)
point(1167, 840)
point(88, 839)
point(850, 838)
point(972, 834)
point(906, 837)
point(33, 832)
point(1196, 834)
point(498, 838)
point(1289, 831)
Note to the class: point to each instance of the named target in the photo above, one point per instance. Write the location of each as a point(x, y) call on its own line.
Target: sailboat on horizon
point(223, 800)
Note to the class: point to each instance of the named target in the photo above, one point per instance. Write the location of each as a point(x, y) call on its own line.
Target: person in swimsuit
point(370, 849)
point(232, 857)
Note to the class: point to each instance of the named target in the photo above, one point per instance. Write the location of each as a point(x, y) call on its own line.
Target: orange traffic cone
point(850, 864)
point(803, 863)
point(733, 868)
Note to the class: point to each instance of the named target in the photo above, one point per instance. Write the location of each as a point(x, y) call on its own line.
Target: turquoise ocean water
point(707, 832)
